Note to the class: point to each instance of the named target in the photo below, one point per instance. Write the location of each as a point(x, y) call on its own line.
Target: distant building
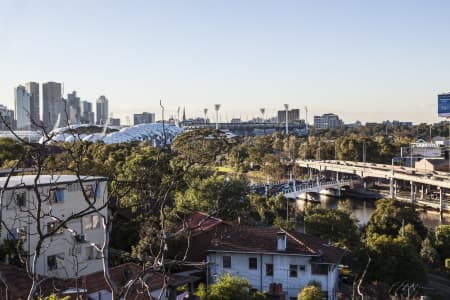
point(327, 121)
point(74, 107)
point(293, 115)
point(432, 164)
point(114, 122)
point(33, 89)
point(53, 105)
point(144, 118)
point(8, 118)
point(87, 115)
point(235, 120)
point(372, 124)
point(102, 110)
point(357, 124)
point(22, 108)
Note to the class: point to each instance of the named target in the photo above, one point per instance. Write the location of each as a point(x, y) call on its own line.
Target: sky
point(363, 60)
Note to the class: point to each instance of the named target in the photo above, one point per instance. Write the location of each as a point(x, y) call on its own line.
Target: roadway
point(435, 178)
point(426, 180)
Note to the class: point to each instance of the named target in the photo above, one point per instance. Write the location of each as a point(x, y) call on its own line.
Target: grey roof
point(28, 180)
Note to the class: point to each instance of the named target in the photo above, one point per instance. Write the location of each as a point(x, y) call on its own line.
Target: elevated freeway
point(419, 180)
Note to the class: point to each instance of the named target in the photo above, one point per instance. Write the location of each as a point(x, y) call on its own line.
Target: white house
point(265, 255)
point(69, 252)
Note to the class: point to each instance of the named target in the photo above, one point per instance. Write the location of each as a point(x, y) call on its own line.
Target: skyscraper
point(7, 117)
point(143, 118)
point(52, 104)
point(102, 110)
point(74, 107)
point(22, 108)
point(87, 115)
point(33, 89)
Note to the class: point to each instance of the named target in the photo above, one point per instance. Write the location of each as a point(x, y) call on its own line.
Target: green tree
point(218, 195)
point(200, 146)
point(443, 241)
point(310, 292)
point(9, 150)
point(428, 253)
point(335, 226)
point(260, 147)
point(394, 259)
point(390, 215)
point(411, 235)
point(230, 287)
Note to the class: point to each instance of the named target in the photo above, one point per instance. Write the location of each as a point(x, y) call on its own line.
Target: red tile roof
point(19, 283)
point(264, 240)
point(200, 222)
point(203, 228)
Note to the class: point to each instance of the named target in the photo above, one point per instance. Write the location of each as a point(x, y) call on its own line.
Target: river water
point(363, 209)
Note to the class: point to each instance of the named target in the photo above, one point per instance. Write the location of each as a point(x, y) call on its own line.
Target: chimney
point(281, 241)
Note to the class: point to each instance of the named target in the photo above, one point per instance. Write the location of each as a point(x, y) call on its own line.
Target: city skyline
point(368, 62)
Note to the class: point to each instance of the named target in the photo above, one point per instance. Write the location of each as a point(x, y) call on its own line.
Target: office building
point(7, 118)
point(87, 115)
point(53, 105)
point(74, 108)
point(22, 108)
point(327, 121)
point(293, 115)
point(102, 110)
point(144, 118)
point(114, 122)
point(33, 89)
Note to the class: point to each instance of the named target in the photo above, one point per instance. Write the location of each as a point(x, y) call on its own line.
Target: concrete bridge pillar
point(395, 188)
point(412, 192)
point(441, 200)
point(391, 187)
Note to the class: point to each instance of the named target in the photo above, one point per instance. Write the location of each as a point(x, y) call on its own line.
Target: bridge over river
point(421, 182)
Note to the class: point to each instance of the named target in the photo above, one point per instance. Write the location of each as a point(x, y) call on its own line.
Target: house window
point(93, 190)
point(89, 189)
point(269, 269)
point(21, 199)
point(226, 261)
point(55, 261)
point(92, 253)
point(17, 233)
point(91, 221)
point(292, 270)
point(319, 269)
point(57, 195)
point(98, 191)
point(53, 225)
point(74, 187)
point(253, 263)
point(302, 268)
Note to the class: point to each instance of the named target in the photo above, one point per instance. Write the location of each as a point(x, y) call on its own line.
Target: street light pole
point(319, 150)
point(286, 107)
point(216, 108)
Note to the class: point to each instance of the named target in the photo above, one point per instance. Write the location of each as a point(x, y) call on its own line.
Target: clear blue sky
point(365, 60)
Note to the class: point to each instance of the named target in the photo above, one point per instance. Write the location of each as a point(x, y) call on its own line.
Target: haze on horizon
point(364, 61)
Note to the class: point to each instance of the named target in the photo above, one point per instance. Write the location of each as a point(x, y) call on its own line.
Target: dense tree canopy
point(229, 287)
point(335, 226)
point(310, 292)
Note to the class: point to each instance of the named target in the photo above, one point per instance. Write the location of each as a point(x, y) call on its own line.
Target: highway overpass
point(418, 179)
